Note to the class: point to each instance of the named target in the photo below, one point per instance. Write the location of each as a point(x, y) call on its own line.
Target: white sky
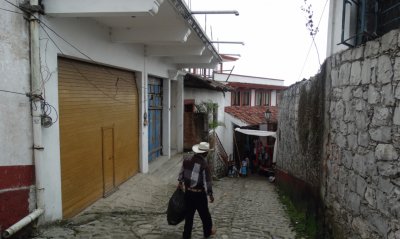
point(274, 32)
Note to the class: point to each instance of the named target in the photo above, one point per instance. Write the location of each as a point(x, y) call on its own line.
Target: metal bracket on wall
point(38, 147)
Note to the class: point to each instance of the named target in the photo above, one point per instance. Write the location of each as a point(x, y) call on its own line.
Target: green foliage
point(210, 108)
point(304, 225)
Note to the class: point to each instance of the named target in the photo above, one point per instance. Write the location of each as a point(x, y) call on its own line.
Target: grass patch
point(304, 223)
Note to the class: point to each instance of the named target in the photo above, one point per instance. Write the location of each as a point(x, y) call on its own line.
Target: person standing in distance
point(195, 179)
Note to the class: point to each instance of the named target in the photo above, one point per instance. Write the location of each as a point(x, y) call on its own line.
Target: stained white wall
point(15, 116)
point(93, 40)
point(228, 139)
point(203, 95)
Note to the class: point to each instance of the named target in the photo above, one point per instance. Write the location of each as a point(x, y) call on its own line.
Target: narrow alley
point(243, 208)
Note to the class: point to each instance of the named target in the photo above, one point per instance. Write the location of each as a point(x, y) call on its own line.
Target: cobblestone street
point(243, 208)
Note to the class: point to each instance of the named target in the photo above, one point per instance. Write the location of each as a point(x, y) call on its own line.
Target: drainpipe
point(36, 105)
point(36, 98)
point(22, 223)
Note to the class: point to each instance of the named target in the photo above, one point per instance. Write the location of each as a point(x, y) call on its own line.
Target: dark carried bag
point(176, 207)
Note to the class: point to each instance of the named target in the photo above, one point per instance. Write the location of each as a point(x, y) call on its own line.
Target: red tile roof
point(227, 58)
point(256, 86)
point(252, 115)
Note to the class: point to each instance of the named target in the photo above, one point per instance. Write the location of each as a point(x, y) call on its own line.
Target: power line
point(15, 5)
point(42, 23)
point(8, 10)
point(313, 42)
point(13, 92)
point(80, 73)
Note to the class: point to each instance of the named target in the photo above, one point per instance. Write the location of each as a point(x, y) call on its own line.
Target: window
point(278, 98)
point(246, 98)
point(258, 98)
point(235, 98)
point(368, 19)
point(266, 98)
point(263, 98)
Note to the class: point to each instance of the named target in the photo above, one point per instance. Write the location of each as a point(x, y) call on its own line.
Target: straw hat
point(202, 147)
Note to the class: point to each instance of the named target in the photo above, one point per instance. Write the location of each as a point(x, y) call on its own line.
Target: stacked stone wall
point(359, 156)
point(301, 130)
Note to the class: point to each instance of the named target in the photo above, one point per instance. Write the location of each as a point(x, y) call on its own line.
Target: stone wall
point(300, 130)
point(359, 159)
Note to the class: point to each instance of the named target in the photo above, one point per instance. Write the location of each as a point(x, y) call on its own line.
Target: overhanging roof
point(195, 81)
point(165, 27)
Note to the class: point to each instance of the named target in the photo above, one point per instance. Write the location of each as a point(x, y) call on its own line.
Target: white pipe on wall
point(22, 223)
point(36, 86)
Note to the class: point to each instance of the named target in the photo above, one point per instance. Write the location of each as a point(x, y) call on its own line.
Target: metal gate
point(155, 117)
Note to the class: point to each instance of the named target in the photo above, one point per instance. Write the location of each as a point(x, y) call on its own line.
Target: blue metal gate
point(155, 117)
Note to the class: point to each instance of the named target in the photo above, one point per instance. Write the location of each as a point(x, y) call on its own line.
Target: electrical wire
point(313, 42)
point(80, 73)
point(42, 23)
point(70, 44)
point(8, 10)
point(47, 109)
point(76, 48)
point(15, 5)
point(13, 92)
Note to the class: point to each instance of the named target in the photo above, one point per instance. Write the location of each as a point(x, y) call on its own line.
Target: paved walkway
point(243, 208)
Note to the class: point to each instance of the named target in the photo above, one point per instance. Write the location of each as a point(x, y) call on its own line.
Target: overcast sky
point(274, 32)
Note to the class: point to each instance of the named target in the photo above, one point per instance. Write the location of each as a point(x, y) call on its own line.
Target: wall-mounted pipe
point(22, 223)
point(36, 87)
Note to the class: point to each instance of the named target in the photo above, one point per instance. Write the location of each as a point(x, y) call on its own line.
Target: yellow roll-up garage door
point(98, 110)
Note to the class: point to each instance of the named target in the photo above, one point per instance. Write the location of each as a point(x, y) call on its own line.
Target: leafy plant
point(304, 225)
point(307, 8)
point(210, 109)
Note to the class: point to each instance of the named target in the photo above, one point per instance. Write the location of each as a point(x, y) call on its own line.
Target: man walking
point(195, 177)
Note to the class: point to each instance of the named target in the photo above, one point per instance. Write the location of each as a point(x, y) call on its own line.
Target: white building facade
point(102, 67)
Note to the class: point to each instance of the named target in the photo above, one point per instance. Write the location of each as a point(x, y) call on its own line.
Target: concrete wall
point(16, 169)
point(16, 121)
point(359, 156)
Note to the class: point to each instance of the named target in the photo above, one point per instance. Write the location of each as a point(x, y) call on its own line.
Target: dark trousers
point(197, 201)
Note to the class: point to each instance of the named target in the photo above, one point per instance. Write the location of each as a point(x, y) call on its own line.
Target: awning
point(256, 132)
point(261, 133)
